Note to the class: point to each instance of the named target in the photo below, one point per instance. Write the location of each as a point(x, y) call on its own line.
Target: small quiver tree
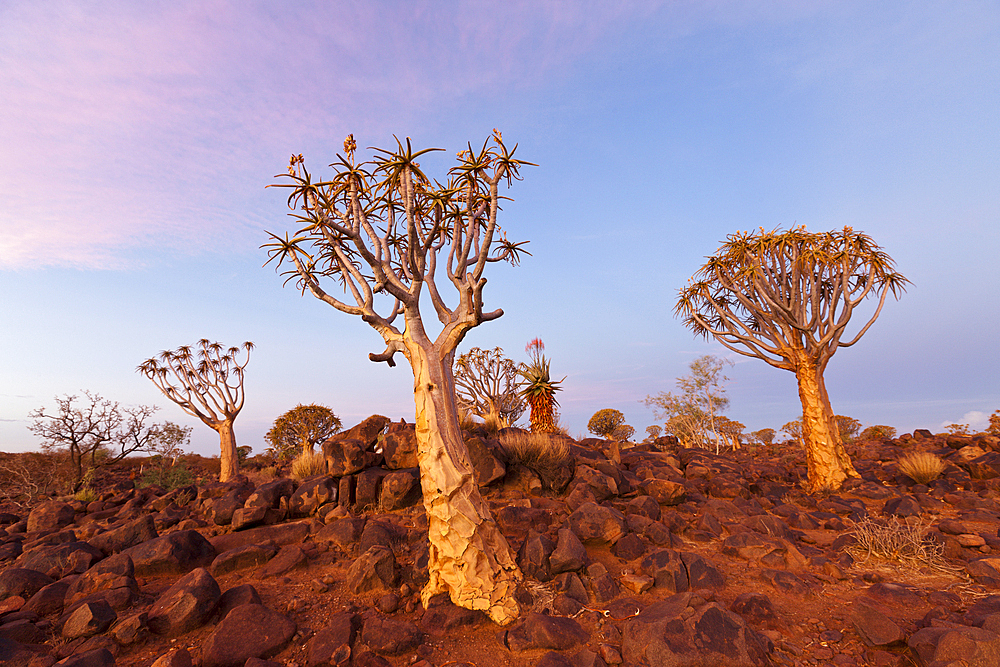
point(539, 389)
point(207, 384)
point(386, 234)
point(300, 430)
point(787, 298)
point(486, 386)
point(609, 424)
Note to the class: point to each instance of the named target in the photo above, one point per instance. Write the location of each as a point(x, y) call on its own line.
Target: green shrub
point(921, 467)
point(86, 494)
point(168, 478)
point(878, 432)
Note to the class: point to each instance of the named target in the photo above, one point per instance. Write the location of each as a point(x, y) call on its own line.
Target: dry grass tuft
point(308, 464)
point(541, 452)
point(921, 467)
point(86, 494)
point(900, 543)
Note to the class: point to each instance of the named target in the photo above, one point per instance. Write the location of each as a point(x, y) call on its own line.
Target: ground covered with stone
point(672, 557)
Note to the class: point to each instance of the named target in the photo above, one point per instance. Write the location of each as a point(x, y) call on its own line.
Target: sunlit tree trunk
point(469, 557)
point(227, 446)
point(827, 461)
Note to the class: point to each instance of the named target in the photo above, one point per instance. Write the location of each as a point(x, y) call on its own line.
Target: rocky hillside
point(670, 557)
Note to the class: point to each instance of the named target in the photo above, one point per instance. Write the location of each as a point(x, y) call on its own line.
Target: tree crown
point(378, 227)
point(206, 383)
point(780, 295)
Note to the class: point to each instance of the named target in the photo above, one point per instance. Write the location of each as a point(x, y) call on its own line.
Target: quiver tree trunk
point(227, 447)
point(827, 461)
point(469, 558)
point(542, 413)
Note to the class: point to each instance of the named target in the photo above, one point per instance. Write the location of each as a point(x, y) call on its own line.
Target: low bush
point(307, 464)
point(878, 432)
point(921, 467)
point(168, 477)
point(898, 542)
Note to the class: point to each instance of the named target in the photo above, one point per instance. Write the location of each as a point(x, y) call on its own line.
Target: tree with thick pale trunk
point(379, 229)
point(207, 385)
point(787, 298)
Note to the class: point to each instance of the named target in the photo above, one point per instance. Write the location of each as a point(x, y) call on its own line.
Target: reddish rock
point(874, 625)
point(88, 619)
point(50, 515)
point(538, 631)
point(596, 524)
point(176, 553)
point(399, 446)
point(289, 558)
point(312, 494)
point(661, 635)
point(174, 658)
point(332, 645)
point(569, 554)
point(119, 539)
point(374, 570)
point(279, 534)
point(487, 467)
point(387, 636)
point(62, 559)
point(100, 657)
point(400, 489)
point(663, 491)
point(342, 532)
point(23, 582)
point(248, 631)
point(235, 597)
point(241, 558)
point(270, 494)
point(533, 556)
point(186, 605)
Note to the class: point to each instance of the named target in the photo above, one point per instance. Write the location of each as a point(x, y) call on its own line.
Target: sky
point(137, 140)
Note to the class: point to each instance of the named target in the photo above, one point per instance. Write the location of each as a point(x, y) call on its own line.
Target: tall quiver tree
point(380, 229)
point(787, 298)
point(207, 384)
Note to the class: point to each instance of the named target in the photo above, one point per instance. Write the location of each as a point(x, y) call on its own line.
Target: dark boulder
point(248, 631)
point(176, 553)
point(186, 605)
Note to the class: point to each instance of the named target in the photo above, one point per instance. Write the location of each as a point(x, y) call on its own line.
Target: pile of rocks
point(671, 557)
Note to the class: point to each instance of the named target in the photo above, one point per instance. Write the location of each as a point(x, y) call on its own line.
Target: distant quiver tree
point(207, 383)
point(388, 235)
point(787, 298)
point(486, 385)
point(301, 429)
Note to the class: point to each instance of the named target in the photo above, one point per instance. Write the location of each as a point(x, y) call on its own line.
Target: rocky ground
point(672, 557)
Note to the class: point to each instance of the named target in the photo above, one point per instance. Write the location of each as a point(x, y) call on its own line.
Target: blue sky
point(136, 141)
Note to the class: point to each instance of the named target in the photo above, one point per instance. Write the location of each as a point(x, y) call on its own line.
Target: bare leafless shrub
point(921, 467)
point(307, 464)
point(903, 543)
point(541, 452)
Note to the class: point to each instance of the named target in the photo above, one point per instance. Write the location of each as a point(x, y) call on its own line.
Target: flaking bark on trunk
point(227, 447)
point(469, 558)
point(827, 461)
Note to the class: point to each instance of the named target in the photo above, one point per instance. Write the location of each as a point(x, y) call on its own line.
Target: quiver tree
point(486, 386)
point(207, 384)
point(787, 298)
point(301, 429)
point(386, 234)
point(538, 388)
